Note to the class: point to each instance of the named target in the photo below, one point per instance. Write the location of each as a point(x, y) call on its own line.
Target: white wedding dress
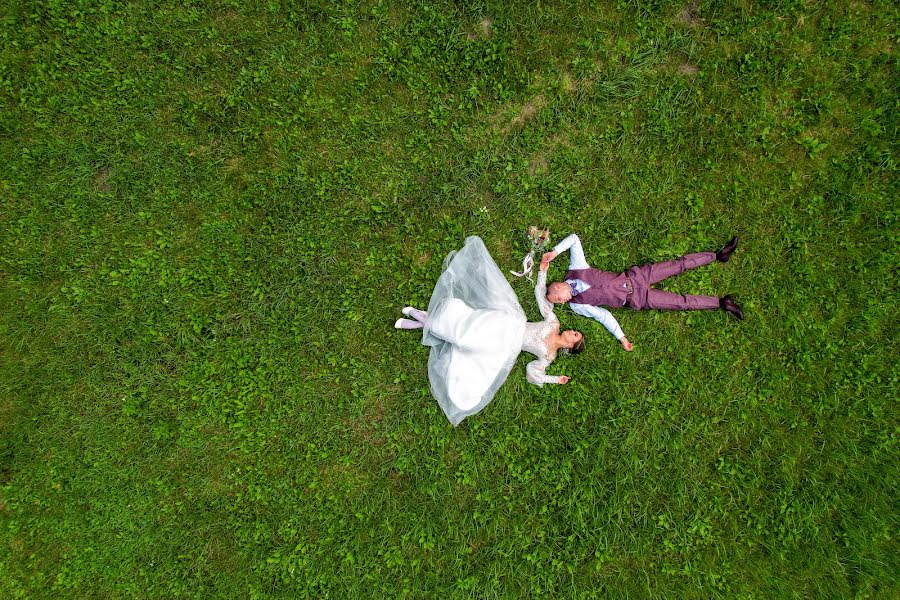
point(476, 329)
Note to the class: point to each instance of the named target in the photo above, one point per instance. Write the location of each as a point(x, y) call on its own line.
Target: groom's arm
point(576, 253)
point(600, 314)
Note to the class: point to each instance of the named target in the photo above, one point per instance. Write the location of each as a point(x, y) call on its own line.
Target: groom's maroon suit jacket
point(607, 289)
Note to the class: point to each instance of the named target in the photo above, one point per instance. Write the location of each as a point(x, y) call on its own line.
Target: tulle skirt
point(475, 328)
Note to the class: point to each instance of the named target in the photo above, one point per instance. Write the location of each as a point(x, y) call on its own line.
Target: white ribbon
point(527, 266)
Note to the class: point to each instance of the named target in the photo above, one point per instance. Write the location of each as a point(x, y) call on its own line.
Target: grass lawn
point(212, 212)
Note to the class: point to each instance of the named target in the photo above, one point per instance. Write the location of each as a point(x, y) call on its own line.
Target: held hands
point(626, 344)
point(546, 258)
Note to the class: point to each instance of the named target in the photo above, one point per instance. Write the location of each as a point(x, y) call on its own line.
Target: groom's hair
point(554, 285)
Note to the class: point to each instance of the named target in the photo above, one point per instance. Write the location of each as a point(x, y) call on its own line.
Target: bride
point(476, 329)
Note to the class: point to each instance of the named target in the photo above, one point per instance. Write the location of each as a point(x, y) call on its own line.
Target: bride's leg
point(419, 315)
point(408, 324)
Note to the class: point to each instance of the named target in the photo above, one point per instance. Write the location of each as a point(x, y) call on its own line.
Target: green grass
point(212, 213)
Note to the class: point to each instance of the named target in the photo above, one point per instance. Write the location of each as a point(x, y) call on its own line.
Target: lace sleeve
point(536, 373)
point(540, 294)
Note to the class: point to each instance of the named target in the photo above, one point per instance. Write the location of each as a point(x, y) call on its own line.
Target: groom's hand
point(546, 258)
point(626, 344)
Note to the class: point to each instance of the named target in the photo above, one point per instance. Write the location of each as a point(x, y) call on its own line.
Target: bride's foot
point(407, 324)
point(419, 315)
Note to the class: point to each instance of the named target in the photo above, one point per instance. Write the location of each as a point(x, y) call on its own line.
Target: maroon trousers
point(645, 296)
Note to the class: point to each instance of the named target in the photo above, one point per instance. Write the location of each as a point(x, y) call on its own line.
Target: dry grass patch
point(234, 165)
point(538, 164)
point(483, 30)
point(227, 17)
point(562, 138)
point(527, 112)
point(102, 182)
point(503, 250)
point(366, 428)
point(511, 116)
point(340, 475)
point(389, 148)
point(690, 14)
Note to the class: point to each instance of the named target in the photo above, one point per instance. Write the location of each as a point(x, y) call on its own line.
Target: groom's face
point(559, 292)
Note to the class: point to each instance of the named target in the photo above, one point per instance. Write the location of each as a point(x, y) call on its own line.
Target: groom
point(587, 288)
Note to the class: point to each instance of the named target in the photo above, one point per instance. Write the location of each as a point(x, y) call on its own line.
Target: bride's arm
point(540, 294)
point(536, 373)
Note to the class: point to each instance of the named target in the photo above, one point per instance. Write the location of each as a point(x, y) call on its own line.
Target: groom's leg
point(660, 300)
point(656, 272)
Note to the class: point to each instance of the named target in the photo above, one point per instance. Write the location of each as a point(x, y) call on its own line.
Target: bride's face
point(571, 337)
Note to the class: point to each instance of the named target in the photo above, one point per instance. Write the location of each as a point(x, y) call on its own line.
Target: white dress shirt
point(577, 261)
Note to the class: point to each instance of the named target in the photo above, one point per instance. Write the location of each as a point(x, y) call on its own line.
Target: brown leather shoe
point(729, 305)
point(727, 250)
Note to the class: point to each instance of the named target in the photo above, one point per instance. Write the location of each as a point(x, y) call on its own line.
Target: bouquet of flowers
point(536, 240)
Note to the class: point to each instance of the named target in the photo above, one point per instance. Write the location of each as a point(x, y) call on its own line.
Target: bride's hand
point(563, 380)
point(546, 258)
